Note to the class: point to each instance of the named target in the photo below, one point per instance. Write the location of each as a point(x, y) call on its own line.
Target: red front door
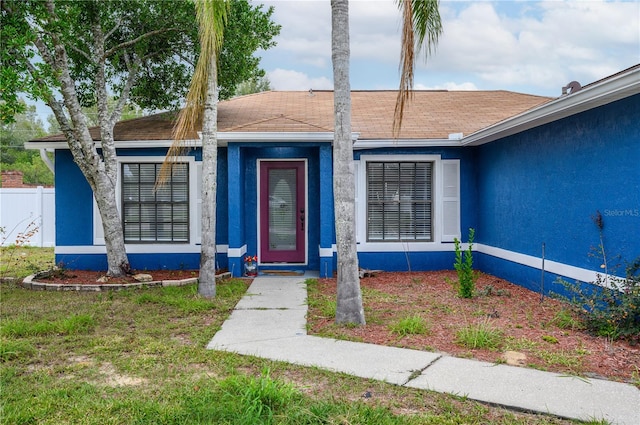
point(282, 212)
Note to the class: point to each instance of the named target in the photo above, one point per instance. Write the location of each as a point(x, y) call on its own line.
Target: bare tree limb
point(126, 89)
point(112, 30)
point(82, 52)
point(120, 46)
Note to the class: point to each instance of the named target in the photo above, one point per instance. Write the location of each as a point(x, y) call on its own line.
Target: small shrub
point(611, 308)
point(413, 325)
point(480, 335)
point(464, 267)
point(613, 311)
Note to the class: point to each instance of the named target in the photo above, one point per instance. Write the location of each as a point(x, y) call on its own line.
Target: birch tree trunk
point(105, 194)
point(349, 299)
point(99, 170)
point(207, 282)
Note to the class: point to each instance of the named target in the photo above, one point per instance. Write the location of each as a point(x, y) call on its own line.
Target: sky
point(526, 46)
point(534, 47)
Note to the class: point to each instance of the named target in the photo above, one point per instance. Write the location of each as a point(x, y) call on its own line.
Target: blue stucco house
point(524, 171)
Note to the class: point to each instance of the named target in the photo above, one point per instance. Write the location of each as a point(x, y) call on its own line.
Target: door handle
point(301, 218)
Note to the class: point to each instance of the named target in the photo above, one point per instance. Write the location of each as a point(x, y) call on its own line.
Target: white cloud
point(549, 44)
point(285, 79)
point(529, 46)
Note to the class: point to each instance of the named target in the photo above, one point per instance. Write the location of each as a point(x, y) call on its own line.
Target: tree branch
point(113, 30)
point(187, 60)
point(112, 50)
point(82, 52)
point(124, 94)
point(85, 152)
point(50, 100)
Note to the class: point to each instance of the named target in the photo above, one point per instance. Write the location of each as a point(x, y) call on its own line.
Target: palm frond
point(421, 28)
point(211, 16)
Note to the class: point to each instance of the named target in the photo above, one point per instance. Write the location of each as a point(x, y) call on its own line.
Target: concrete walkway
point(270, 322)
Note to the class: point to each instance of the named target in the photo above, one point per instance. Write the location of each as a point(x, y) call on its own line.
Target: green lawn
point(139, 357)
point(21, 261)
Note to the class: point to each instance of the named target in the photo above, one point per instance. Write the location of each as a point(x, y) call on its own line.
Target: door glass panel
point(282, 209)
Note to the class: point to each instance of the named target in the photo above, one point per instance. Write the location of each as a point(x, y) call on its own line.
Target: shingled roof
point(430, 114)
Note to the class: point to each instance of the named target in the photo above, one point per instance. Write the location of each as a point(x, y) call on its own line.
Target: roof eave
point(223, 139)
point(120, 144)
point(405, 143)
point(593, 96)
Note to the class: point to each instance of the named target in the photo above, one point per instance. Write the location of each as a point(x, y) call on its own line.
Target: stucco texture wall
point(546, 184)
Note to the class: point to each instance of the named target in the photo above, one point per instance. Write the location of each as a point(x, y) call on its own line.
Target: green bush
point(611, 308)
point(464, 267)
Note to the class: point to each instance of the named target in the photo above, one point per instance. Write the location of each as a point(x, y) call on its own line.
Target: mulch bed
point(527, 324)
point(85, 277)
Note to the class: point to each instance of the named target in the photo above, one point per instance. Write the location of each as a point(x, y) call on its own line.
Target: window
point(153, 214)
point(399, 201)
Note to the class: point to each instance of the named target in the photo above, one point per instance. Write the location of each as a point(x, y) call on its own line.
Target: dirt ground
point(527, 326)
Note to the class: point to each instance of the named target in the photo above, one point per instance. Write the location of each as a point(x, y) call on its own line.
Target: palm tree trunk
point(349, 300)
point(207, 282)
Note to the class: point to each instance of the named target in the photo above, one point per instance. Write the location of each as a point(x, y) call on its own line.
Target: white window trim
point(361, 206)
point(194, 236)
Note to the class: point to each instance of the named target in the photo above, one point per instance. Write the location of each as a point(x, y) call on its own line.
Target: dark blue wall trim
point(402, 262)
point(139, 262)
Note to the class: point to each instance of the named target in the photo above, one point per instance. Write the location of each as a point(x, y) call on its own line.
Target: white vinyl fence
point(24, 210)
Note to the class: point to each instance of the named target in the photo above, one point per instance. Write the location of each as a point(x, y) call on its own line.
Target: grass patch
point(142, 360)
point(184, 298)
point(489, 291)
point(11, 349)
point(480, 335)
point(21, 327)
point(250, 400)
point(565, 319)
point(520, 344)
point(326, 305)
point(22, 261)
point(571, 360)
point(371, 295)
point(412, 325)
point(550, 339)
